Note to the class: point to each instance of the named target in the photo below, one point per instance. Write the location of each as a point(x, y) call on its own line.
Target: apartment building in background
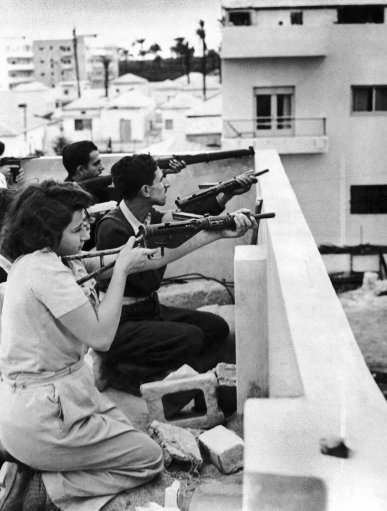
point(309, 79)
point(54, 60)
point(97, 58)
point(16, 62)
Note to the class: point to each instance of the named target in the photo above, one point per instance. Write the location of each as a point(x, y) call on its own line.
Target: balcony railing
point(283, 126)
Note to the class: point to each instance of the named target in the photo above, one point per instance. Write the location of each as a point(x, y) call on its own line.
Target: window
point(360, 14)
point(369, 98)
point(169, 124)
point(82, 124)
point(239, 18)
point(274, 110)
point(296, 18)
point(369, 199)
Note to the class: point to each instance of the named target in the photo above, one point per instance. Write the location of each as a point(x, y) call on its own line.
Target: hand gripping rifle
point(186, 203)
point(168, 234)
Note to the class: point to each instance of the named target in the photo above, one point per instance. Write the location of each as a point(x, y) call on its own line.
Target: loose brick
point(224, 448)
point(153, 393)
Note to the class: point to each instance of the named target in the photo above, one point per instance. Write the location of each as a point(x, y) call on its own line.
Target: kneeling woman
point(53, 418)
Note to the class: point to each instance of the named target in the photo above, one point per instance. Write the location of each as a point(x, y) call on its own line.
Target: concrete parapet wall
point(319, 384)
point(215, 260)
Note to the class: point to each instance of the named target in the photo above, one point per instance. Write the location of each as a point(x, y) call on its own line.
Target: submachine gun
point(168, 234)
point(190, 202)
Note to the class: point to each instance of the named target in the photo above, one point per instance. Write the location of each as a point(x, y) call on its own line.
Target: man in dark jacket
point(153, 339)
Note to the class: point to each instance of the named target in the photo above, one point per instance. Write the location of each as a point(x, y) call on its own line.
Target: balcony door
point(274, 111)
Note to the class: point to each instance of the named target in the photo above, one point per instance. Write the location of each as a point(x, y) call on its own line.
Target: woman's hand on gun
point(244, 220)
point(132, 259)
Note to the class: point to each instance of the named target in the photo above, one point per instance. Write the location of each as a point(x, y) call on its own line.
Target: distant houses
point(132, 115)
point(137, 113)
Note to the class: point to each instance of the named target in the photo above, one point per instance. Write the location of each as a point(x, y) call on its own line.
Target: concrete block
point(217, 496)
point(224, 447)
point(193, 294)
point(226, 374)
point(178, 444)
point(154, 392)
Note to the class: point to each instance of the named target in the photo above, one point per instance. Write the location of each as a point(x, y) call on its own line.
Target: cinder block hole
point(184, 404)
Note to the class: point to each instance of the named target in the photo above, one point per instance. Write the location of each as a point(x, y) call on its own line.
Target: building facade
point(54, 60)
point(98, 58)
point(16, 62)
point(309, 79)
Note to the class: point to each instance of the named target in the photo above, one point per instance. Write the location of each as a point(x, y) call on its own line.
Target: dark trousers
point(153, 340)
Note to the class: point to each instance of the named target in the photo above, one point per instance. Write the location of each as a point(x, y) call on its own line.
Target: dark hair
point(38, 215)
point(77, 154)
point(2, 147)
point(130, 173)
point(6, 197)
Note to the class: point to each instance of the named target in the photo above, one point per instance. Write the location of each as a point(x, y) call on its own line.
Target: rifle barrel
point(190, 159)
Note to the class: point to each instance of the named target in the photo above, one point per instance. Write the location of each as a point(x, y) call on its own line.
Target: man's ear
point(145, 191)
point(78, 174)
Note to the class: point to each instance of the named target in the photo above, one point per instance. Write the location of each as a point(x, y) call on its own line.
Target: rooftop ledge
point(304, 359)
point(256, 42)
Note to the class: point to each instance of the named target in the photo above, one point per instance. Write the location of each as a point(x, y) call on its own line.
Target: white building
point(16, 62)
point(95, 65)
point(67, 91)
point(195, 85)
point(23, 127)
point(309, 78)
point(131, 120)
point(174, 114)
point(54, 60)
point(123, 122)
point(204, 122)
point(130, 81)
point(165, 90)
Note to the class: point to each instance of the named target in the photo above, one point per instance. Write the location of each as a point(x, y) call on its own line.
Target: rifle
point(186, 203)
point(190, 159)
point(98, 184)
point(168, 234)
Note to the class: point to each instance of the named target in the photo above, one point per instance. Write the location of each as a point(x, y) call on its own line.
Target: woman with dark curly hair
point(80, 449)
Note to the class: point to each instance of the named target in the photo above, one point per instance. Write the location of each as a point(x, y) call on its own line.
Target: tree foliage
point(185, 51)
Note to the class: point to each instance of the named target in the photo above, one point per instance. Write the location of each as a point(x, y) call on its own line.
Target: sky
point(115, 21)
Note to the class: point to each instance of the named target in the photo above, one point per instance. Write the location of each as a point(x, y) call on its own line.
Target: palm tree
point(183, 49)
point(202, 34)
point(141, 51)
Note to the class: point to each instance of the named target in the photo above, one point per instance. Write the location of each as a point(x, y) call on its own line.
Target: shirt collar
point(132, 220)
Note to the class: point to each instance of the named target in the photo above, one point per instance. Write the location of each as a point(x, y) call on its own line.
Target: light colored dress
point(52, 416)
